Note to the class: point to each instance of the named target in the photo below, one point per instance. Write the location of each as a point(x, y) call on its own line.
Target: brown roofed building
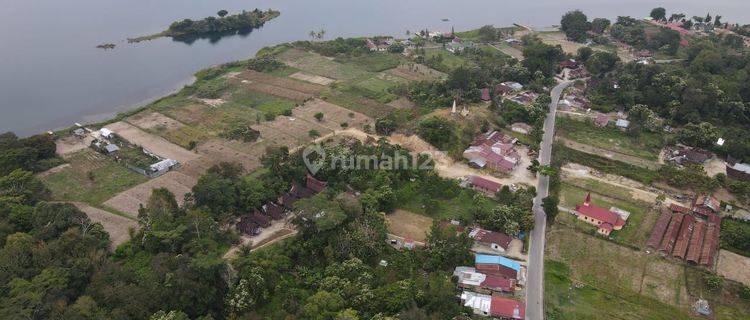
point(485, 185)
point(683, 238)
point(247, 226)
point(497, 270)
point(696, 243)
point(670, 236)
point(705, 204)
point(496, 241)
point(273, 210)
point(676, 208)
point(659, 228)
point(601, 120)
point(260, 219)
point(300, 191)
point(287, 200)
point(315, 184)
point(711, 241)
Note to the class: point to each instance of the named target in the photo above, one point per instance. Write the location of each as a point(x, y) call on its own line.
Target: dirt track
point(153, 143)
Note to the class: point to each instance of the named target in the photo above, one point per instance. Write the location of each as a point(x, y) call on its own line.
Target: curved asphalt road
point(535, 270)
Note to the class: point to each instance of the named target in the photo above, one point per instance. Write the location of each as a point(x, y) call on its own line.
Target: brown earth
point(130, 200)
point(117, 226)
point(70, 144)
point(734, 266)
point(636, 161)
point(154, 121)
point(153, 143)
point(321, 80)
point(277, 86)
point(416, 72)
point(406, 224)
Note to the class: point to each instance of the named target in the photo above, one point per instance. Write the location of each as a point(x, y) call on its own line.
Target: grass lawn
point(458, 207)
point(262, 102)
point(448, 61)
point(317, 64)
point(375, 61)
point(638, 226)
point(351, 101)
point(74, 183)
point(725, 301)
point(613, 281)
point(646, 145)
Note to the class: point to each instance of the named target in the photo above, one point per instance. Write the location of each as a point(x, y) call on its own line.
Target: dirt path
point(117, 226)
point(636, 161)
point(637, 190)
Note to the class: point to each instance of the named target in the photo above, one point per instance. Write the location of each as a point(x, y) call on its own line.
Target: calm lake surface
point(51, 74)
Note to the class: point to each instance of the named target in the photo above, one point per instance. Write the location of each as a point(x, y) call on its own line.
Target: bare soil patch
point(130, 200)
point(154, 121)
point(401, 103)
point(312, 78)
point(416, 72)
point(70, 144)
point(333, 115)
point(155, 144)
point(409, 225)
point(192, 113)
point(715, 166)
point(734, 266)
point(636, 161)
point(116, 226)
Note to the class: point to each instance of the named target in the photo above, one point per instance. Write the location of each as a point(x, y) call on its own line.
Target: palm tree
point(321, 34)
point(312, 34)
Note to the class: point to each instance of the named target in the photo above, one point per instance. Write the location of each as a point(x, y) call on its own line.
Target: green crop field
point(644, 145)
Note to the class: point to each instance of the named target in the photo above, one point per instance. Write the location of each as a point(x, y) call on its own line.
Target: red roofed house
point(605, 219)
point(485, 94)
point(486, 239)
point(506, 308)
point(659, 228)
point(498, 284)
point(487, 186)
point(706, 205)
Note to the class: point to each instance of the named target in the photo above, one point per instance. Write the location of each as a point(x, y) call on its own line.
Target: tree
point(323, 305)
point(575, 24)
point(313, 133)
point(542, 57)
point(437, 131)
point(659, 14)
point(584, 53)
point(601, 63)
point(641, 117)
point(599, 25)
point(385, 126)
point(222, 13)
point(319, 116)
point(487, 33)
point(446, 249)
point(701, 135)
point(549, 204)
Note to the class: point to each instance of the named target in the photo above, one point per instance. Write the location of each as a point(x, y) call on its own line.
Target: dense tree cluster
point(246, 20)
point(35, 153)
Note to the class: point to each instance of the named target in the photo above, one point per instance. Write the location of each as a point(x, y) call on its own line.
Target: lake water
point(51, 74)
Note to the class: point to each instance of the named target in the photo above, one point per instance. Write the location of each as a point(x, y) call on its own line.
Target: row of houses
point(486, 286)
point(493, 150)
point(253, 223)
point(512, 91)
point(689, 234)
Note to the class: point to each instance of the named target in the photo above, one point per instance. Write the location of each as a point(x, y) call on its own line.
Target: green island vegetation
point(224, 25)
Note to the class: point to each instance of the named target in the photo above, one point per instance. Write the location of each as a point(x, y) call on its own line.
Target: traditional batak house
point(605, 220)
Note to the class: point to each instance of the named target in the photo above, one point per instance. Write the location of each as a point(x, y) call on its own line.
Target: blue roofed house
point(500, 266)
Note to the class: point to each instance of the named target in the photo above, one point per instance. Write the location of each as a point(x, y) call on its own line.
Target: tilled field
point(130, 200)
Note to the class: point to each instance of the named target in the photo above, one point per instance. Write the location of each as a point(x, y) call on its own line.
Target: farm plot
point(333, 115)
point(734, 266)
point(90, 178)
point(116, 226)
point(280, 87)
point(638, 225)
point(650, 286)
point(312, 78)
point(416, 72)
point(290, 131)
point(71, 144)
point(314, 63)
point(154, 121)
point(129, 201)
point(153, 143)
point(406, 224)
point(357, 103)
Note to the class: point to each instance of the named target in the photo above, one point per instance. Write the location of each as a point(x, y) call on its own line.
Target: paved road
point(535, 271)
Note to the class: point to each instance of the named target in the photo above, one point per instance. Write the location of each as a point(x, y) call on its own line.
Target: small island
point(222, 25)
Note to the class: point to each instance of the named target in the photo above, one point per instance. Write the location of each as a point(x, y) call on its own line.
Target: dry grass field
point(130, 200)
point(416, 72)
point(406, 224)
point(312, 78)
point(153, 143)
point(734, 266)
